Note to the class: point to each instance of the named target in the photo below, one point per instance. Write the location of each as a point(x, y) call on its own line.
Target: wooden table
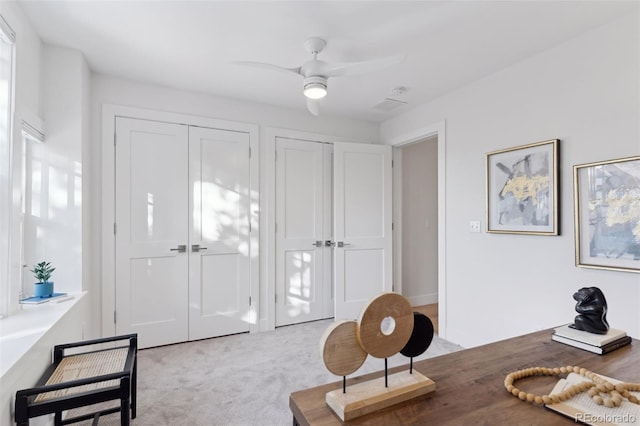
point(470, 389)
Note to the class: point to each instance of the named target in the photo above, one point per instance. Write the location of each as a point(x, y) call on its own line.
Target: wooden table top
point(470, 385)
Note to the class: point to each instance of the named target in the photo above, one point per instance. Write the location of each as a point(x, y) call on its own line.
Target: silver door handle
point(180, 249)
point(196, 248)
point(342, 244)
point(317, 244)
point(329, 243)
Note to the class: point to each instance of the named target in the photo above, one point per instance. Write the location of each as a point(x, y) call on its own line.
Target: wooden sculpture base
point(367, 397)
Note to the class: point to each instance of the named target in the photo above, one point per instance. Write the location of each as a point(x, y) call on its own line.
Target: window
point(31, 168)
point(7, 41)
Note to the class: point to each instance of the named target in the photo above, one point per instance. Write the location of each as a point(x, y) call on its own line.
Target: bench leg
point(124, 412)
point(134, 386)
point(57, 418)
point(22, 409)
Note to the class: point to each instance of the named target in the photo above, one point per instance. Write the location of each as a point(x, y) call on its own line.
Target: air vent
point(388, 104)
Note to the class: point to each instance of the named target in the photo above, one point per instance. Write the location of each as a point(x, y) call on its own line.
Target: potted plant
point(44, 287)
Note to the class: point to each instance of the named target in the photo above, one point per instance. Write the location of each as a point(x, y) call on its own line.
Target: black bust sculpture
point(592, 310)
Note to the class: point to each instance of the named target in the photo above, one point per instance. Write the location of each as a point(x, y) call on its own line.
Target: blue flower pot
point(44, 289)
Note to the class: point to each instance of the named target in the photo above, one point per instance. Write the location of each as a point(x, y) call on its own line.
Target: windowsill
point(22, 331)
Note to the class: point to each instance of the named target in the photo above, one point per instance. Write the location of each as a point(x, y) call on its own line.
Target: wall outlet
point(474, 226)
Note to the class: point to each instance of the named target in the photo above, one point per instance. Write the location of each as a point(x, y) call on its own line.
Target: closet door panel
point(219, 258)
point(362, 226)
point(151, 225)
point(301, 278)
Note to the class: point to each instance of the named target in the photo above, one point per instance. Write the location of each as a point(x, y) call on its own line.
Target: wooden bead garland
point(613, 394)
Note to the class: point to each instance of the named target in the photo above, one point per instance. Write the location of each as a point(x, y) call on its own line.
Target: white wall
point(116, 91)
point(584, 92)
point(420, 222)
point(88, 192)
point(112, 90)
point(59, 237)
point(49, 89)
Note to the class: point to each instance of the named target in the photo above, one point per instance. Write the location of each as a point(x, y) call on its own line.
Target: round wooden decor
point(385, 325)
point(421, 336)
point(341, 352)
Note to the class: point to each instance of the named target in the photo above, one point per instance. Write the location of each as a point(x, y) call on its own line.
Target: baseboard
point(423, 299)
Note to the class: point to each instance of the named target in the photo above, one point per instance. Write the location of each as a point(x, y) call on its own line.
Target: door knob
point(180, 249)
point(317, 244)
point(329, 243)
point(342, 244)
point(196, 248)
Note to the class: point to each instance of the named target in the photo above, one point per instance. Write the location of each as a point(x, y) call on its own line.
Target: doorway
point(437, 133)
point(419, 221)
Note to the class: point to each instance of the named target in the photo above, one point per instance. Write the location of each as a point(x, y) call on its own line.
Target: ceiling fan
point(316, 73)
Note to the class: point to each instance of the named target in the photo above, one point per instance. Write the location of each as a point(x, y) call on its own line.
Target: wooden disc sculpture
point(421, 337)
point(386, 326)
point(341, 352)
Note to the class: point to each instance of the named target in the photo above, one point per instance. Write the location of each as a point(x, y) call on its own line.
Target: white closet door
point(152, 220)
point(303, 280)
point(219, 257)
point(362, 220)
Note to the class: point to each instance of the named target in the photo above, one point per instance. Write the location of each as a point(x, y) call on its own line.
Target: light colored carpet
point(243, 379)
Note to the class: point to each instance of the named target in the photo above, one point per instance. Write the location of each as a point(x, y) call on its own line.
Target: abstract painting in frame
point(522, 189)
point(607, 214)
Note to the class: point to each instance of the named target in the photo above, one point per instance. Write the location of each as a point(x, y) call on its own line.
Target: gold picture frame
point(606, 198)
point(522, 189)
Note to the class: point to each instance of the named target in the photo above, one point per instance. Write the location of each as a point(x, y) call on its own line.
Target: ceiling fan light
point(315, 87)
point(315, 90)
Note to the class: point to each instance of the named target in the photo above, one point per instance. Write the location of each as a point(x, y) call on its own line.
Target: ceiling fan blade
point(313, 105)
point(354, 68)
point(267, 66)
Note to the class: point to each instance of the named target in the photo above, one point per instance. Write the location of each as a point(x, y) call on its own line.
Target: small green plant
point(43, 271)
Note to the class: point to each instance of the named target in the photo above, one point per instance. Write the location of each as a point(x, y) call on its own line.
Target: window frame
point(8, 272)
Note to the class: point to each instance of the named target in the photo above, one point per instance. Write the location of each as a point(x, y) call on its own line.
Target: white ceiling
point(191, 45)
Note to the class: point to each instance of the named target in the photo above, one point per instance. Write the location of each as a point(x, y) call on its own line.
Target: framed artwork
point(607, 214)
point(522, 189)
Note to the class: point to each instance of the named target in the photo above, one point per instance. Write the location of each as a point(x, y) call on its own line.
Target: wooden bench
point(80, 376)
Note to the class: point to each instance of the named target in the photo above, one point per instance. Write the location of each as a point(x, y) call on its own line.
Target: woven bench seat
point(85, 378)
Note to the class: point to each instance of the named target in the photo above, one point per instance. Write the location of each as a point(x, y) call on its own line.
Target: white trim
point(417, 135)
point(32, 132)
point(267, 217)
point(397, 219)
point(33, 124)
point(307, 136)
point(423, 299)
point(7, 30)
point(254, 220)
point(11, 223)
point(109, 114)
point(438, 130)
